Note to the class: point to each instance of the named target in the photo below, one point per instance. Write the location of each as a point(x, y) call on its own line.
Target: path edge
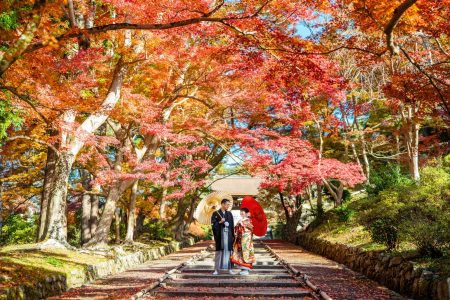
point(394, 272)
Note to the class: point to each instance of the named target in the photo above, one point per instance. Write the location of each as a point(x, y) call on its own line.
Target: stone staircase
point(267, 280)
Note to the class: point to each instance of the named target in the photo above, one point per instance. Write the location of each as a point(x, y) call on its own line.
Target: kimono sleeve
point(215, 222)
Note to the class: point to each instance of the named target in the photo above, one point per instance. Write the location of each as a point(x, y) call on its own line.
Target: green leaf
point(9, 116)
point(8, 20)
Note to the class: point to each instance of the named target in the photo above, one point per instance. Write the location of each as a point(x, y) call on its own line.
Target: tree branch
point(36, 140)
point(22, 43)
point(26, 99)
point(160, 26)
point(389, 29)
point(430, 79)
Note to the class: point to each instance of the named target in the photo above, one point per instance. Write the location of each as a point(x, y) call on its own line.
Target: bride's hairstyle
point(245, 209)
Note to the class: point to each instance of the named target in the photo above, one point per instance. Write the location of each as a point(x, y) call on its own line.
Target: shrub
point(346, 195)
point(385, 177)
point(18, 230)
point(207, 232)
point(157, 230)
point(418, 213)
point(74, 235)
point(344, 213)
point(384, 231)
point(427, 213)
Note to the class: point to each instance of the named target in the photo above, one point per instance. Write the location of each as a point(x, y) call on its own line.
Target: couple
point(234, 244)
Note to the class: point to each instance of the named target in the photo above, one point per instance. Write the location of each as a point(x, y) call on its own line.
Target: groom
point(223, 230)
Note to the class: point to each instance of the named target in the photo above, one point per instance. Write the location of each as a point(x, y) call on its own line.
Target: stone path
point(336, 280)
point(126, 284)
point(268, 280)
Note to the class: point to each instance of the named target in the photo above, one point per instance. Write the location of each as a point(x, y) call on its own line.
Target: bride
point(243, 250)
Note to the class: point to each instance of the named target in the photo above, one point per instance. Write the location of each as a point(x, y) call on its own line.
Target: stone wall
point(56, 284)
point(392, 271)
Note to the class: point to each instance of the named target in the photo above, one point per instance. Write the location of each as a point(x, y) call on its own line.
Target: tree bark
point(117, 224)
point(292, 224)
point(48, 181)
point(56, 225)
point(162, 205)
point(178, 229)
point(139, 224)
point(336, 192)
point(100, 238)
point(94, 214)
point(414, 159)
point(319, 201)
point(85, 218)
point(339, 193)
point(293, 214)
point(131, 213)
point(411, 135)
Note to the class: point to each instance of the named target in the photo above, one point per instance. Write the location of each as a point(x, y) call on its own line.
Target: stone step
point(228, 276)
point(211, 269)
point(297, 293)
point(255, 267)
point(258, 258)
point(219, 282)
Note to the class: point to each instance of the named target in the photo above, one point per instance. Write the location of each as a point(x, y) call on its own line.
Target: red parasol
point(257, 215)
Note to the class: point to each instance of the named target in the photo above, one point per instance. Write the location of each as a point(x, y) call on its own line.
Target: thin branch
point(36, 140)
point(23, 42)
point(393, 156)
point(26, 99)
point(231, 174)
point(430, 78)
point(327, 52)
point(108, 160)
point(204, 102)
point(440, 47)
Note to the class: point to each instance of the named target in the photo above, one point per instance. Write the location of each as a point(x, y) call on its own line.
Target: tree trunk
point(336, 192)
point(292, 214)
point(397, 144)
point(178, 229)
point(411, 134)
point(339, 193)
point(139, 224)
point(48, 181)
point(355, 155)
point(85, 218)
point(94, 214)
point(162, 205)
point(56, 225)
point(319, 201)
point(365, 159)
point(100, 238)
point(117, 224)
point(190, 218)
point(362, 140)
point(292, 224)
point(414, 159)
point(131, 213)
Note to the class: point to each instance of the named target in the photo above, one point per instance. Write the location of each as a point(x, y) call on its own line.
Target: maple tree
point(128, 108)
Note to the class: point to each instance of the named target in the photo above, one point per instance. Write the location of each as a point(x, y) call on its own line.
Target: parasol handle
point(218, 215)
